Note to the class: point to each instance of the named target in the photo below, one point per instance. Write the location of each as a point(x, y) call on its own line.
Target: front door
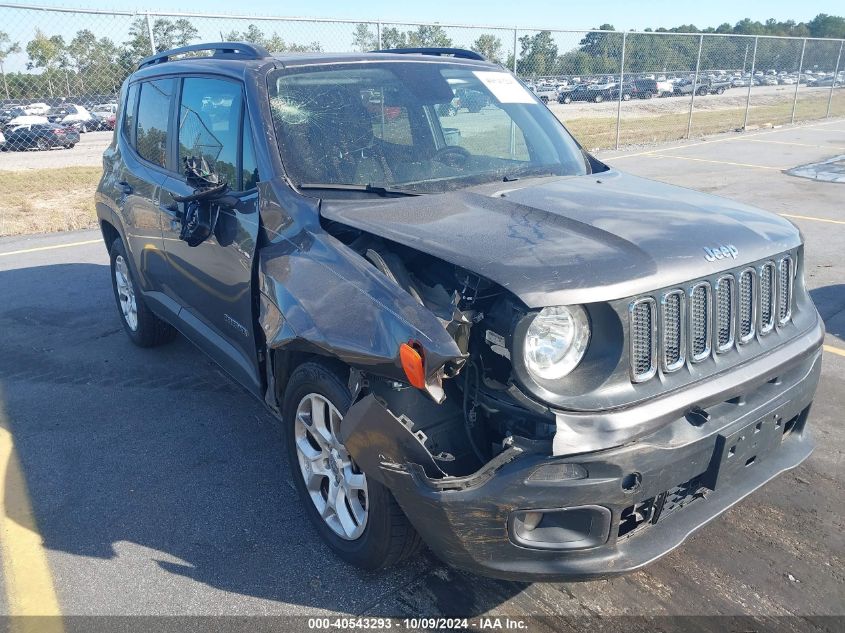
point(213, 281)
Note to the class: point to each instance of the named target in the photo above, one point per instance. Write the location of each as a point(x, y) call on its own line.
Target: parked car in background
point(7, 114)
point(590, 92)
point(472, 100)
point(37, 108)
point(72, 113)
point(104, 108)
point(27, 119)
point(104, 115)
point(704, 86)
point(827, 82)
point(545, 92)
point(628, 91)
point(597, 93)
point(41, 136)
point(649, 88)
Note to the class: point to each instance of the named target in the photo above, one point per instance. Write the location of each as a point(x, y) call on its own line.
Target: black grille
point(699, 310)
point(673, 339)
point(725, 314)
point(767, 297)
point(784, 289)
point(697, 319)
point(746, 305)
point(642, 339)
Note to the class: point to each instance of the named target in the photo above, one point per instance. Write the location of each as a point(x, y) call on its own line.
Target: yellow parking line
point(28, 582)
point(49, 248)
point(809, 217)
point(718, 162)
point(834, 350)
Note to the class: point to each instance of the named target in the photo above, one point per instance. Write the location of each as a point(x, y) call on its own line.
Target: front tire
point(354, 514)
point(142, 326)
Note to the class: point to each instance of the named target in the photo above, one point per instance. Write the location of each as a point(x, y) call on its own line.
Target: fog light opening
point(631, 482)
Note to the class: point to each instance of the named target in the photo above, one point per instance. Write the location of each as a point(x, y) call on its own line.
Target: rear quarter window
point(129, 108)
point(152, 121)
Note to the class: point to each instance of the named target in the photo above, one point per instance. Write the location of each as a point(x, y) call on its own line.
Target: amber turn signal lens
point(412, 363)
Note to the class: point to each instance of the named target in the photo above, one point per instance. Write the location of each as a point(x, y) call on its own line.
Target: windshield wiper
point(529, 172)
point(378, 190)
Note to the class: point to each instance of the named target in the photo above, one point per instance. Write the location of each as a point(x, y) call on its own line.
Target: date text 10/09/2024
point(415, 624)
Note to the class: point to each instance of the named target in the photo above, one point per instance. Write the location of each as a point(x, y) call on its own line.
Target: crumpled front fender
point(333, 302)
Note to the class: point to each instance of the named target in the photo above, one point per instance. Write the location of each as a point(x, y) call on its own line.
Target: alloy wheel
point(126, 293)
point(335, 484)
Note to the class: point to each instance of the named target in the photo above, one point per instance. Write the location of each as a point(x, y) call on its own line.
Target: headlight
point(556, 341)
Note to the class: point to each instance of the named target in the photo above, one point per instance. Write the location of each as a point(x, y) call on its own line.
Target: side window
point(209, 125)
point(153, 115)
point(249, 166)
point(128, 124)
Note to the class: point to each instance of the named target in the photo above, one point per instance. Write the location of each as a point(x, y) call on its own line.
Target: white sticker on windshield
point(504, 87)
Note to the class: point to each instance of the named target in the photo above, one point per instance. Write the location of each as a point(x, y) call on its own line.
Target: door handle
point(125, 187)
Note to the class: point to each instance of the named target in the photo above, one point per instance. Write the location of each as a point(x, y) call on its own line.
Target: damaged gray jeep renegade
point(476, 335)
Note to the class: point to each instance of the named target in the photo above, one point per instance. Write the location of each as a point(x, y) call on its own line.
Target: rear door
point(143, 142)
point(213, 281)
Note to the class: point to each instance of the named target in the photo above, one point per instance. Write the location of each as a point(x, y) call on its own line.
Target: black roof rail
point(461, 53)
point(226, 50)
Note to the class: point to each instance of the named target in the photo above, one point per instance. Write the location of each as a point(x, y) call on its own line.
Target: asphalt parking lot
point(143, 482)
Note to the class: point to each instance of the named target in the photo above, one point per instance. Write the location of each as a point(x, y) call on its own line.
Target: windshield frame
point(579, 161)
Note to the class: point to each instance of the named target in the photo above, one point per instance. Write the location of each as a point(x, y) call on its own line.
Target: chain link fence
point(610, 88)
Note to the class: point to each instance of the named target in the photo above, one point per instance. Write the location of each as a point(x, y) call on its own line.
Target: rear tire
point(626, 97)
point(387, 536)
point(42, 145)
point(141, 325)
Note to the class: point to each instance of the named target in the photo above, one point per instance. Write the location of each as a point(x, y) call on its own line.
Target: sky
point(526, 14)
point(630, 14)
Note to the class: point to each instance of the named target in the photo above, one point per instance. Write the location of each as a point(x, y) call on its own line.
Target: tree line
point(91, 65)
point(88, 65)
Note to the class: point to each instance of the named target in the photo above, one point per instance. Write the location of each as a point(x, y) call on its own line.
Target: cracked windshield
point(411, 127)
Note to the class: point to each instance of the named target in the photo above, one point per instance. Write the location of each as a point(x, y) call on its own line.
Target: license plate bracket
point(743, 449)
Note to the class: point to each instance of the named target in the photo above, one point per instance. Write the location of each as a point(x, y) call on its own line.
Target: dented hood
point(564, 240)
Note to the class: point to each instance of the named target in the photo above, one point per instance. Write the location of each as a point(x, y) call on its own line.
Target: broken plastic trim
point(383, 444)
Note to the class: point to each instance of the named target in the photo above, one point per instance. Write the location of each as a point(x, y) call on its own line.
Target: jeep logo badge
point(720, 252)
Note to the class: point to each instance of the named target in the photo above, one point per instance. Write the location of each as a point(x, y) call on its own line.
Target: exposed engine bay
point(471, 410)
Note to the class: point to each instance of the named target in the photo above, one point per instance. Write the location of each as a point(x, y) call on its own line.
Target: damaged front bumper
point(528, 515)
